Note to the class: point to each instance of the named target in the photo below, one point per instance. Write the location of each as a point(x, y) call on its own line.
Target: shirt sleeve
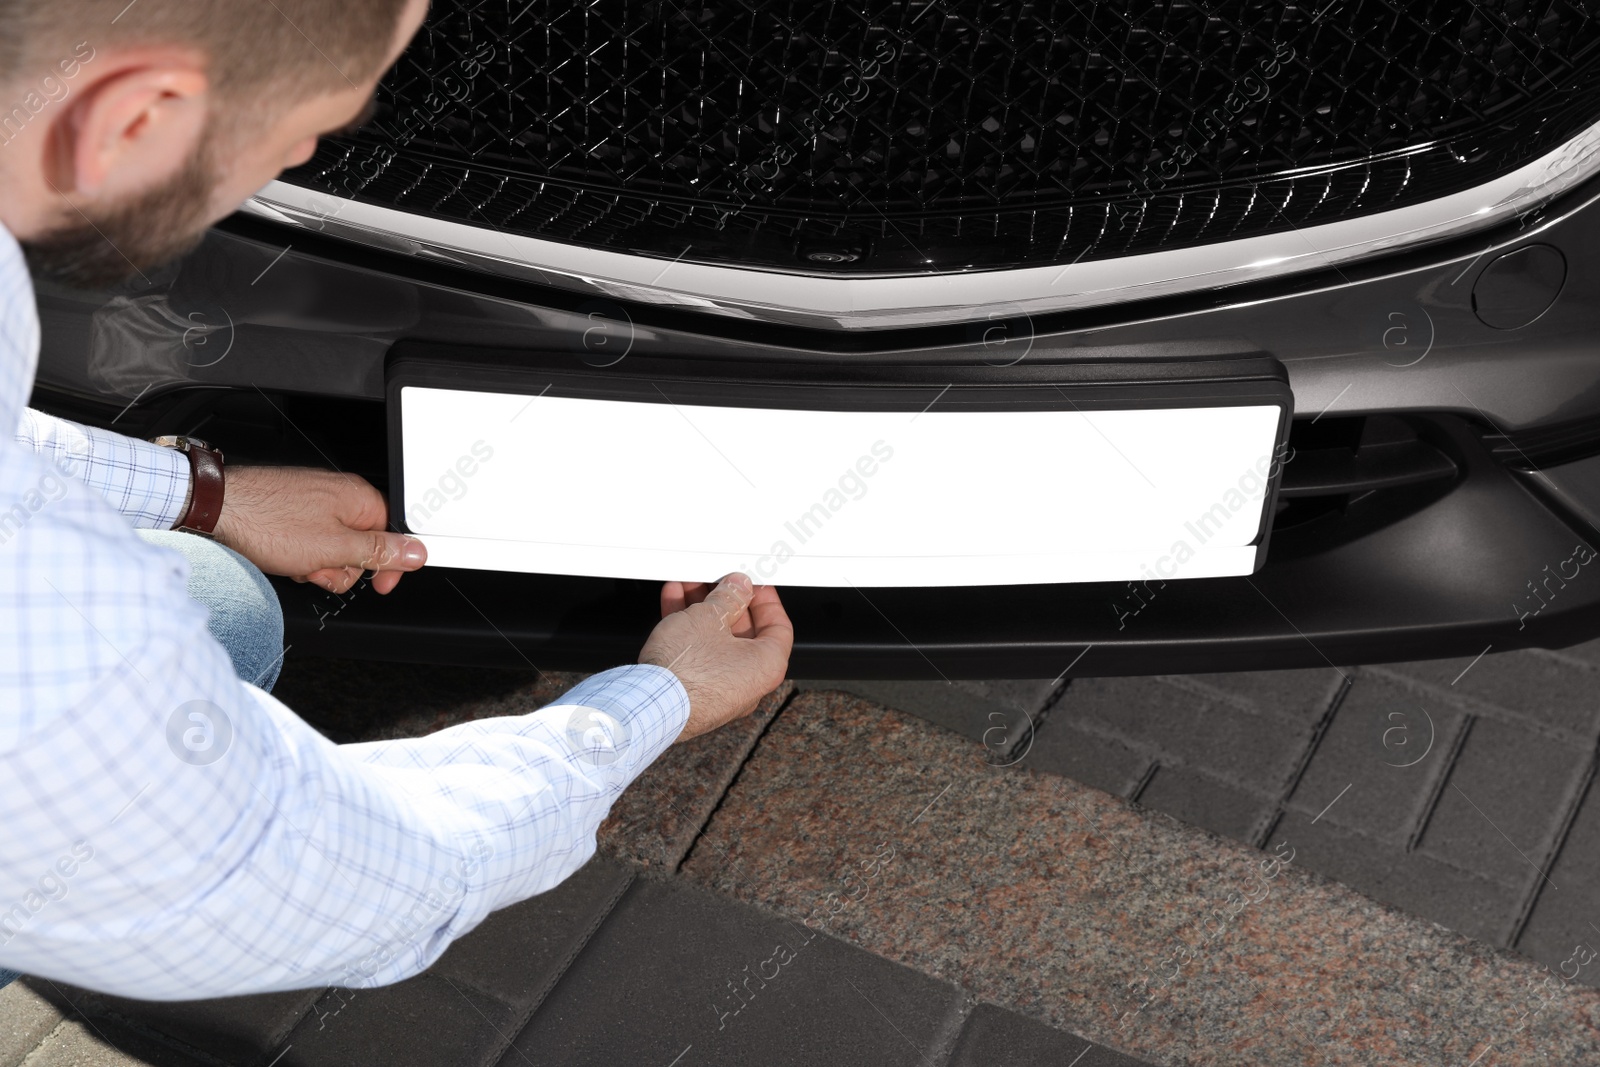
point(147, 483)
point(168, 832)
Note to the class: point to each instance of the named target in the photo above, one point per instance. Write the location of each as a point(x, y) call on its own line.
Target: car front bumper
point(277, 344)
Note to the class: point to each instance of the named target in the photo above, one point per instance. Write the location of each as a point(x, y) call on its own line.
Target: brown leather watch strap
point(206, 484)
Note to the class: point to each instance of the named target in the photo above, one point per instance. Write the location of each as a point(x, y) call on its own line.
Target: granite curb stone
point(1076, 909)
point(656, 819)
point(996, 713)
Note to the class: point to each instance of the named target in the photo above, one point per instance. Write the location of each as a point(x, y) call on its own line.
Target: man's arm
point(147, 483)
point(167, 832)
point(311, 525)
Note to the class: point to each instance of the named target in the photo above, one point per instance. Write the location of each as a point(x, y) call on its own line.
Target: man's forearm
point(148, 484)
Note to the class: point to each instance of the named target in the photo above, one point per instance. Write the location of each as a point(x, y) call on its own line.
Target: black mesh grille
point(897, 137)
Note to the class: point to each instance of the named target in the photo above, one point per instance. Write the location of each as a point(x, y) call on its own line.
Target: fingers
point(385, 581)
point(334, 579)
point(672, 598)
point(767, 611)
point(378, 551)
point(730, 598)
point(342, 580)
point(741, 638)
point(387, 555)
point(676, 596)
point(774, 633)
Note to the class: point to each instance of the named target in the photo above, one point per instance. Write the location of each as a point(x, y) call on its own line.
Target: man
point(167, 829)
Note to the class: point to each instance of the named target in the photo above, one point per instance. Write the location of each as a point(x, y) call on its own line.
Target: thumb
point(375, 550)
point(730, 598)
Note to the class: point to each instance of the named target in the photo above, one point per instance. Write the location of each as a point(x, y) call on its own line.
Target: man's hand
point(314, 526)
point(729, 646)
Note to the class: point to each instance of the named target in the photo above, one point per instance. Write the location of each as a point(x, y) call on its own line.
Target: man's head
point(128, 128)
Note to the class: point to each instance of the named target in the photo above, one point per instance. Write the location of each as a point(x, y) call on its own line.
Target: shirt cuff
point(146, 483)
point(170, 474)
point(634, 713)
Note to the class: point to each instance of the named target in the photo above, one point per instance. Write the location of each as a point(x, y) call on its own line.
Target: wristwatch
point(206, 483)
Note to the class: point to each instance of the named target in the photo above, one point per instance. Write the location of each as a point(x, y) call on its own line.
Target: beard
point(106, 246)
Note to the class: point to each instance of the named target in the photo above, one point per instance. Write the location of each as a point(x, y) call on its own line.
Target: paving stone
point(421, 1022)
point(656, 819)
point(1186, 794)
point(486, 983)
point(996, 713)
point(1177, 724)
point(1588, 652)
point(1300, 694)
point(103, 1043)
point(994, 1037)
point(25, 1018)
point(1562, 695)
point(514, 956)
point(1053, 899)
point(676, 968)
point(1504, 801)
point(1064, 748)
point(1564, 913)
point(1381, 792)
point(242, 1030)
point(517, 953)
point(1412, 881)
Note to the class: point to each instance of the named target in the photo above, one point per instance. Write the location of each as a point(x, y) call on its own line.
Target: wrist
point(203, 501)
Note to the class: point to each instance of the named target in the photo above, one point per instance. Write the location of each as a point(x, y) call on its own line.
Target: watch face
point(179, 442)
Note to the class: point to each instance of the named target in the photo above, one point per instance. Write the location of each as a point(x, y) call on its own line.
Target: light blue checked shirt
point(169, 832)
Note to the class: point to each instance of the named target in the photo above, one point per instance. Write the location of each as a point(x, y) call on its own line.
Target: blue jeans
point(245, 616)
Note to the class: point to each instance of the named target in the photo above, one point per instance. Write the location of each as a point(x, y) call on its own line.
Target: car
point(1309, 291)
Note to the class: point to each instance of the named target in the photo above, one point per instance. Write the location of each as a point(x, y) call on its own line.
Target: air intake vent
point(895, 137)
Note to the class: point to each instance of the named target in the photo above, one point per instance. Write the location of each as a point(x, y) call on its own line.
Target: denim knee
point(246, 618)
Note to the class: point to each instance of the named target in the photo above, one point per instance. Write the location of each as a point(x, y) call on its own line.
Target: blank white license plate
point(666, 491)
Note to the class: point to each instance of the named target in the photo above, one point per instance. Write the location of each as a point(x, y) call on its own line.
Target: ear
point(133, 127)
